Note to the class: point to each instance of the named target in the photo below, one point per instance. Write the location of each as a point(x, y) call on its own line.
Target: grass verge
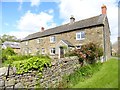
point(107, 77)
point(79, 75)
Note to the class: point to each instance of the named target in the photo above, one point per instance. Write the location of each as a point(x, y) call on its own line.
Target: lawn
point(107, 77)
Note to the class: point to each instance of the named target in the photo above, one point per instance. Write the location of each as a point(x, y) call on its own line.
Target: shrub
point(89, 52)
point(33, 63)
point(70, 53)
point(6, 53)
point(11, 59)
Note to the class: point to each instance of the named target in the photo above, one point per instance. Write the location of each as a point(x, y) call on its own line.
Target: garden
point(24, 63)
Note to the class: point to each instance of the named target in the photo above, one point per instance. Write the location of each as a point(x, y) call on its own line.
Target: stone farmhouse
point(14, 45)
point(72, 35)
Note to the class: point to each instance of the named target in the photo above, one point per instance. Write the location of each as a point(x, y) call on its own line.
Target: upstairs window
point(26, 43)
point(38, 40)
point(52, 51)
point(80, 35)
point(52, 39)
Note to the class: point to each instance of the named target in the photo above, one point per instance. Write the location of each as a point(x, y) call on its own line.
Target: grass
point(107, 77)
point(80, 75)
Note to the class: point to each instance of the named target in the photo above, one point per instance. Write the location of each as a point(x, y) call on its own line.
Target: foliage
point(19, 57)
point(79, 75)
point(89, 52)
point(11, 59)
point(6, 53)
point(5, 37)
point(64, 47)
point(70, 53)
point(43, 56)
point(33, 63)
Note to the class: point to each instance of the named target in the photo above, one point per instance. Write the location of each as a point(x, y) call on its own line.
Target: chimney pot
point(72, 19)
point(42, 29)
point(104, 9)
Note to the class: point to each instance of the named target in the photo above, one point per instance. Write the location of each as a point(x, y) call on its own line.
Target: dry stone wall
point(50, 78)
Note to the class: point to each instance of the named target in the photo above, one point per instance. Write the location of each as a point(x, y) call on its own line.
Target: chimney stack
point(72, 19)
point(104, 9)
point(42, 29)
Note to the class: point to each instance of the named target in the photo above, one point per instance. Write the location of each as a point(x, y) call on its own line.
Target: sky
point(23, 17)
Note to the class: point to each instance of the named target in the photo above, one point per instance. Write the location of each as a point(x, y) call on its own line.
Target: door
point(61, 52)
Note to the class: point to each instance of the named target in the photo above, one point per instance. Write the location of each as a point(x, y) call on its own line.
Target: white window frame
point(52, 39)
point(80, 34)
point(25, 51)
point(30, 51)
point(38, 40)
point(78, 47)
point(52, 50)
point(26, 43)
point(43, 51)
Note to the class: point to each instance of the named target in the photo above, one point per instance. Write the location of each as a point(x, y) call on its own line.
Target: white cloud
point(19, 34)
point(82, 9)
point(32, 22)
point(35, 2)
point(51, 11)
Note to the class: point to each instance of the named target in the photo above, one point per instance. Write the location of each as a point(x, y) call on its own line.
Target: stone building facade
point(72, 35)
point(14, 45)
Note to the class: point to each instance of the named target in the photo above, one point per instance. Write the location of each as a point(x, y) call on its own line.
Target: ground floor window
point(52, 51)
point(29, 51)
point(78, 46)
point(43, 50)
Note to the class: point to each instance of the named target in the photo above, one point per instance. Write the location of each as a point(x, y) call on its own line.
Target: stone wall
point(107, 42)
point(51, 76)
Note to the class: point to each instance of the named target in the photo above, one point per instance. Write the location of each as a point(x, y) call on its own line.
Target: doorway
point(61, 52)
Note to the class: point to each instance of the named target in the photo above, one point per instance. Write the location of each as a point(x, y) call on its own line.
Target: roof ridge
point(96, 20)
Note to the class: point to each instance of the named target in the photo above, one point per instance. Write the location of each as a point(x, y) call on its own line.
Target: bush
point(33, 63)
point(6, 53)
point(11, 59)
point(89, 52)
point(70, 53)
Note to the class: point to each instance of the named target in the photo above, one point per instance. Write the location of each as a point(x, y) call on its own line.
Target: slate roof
point(68, 43)
point(89, 22)
point(12, 44)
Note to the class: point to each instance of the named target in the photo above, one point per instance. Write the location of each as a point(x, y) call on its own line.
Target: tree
point(6, 53)
point(5, 37)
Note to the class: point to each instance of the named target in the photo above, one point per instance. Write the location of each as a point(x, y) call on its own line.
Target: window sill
point(52, 42)
point(52, 54)
point(80, 39)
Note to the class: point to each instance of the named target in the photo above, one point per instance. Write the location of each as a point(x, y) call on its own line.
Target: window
point(43, 51)
point(78, 47)
point(29, 51)
point(26, 43)
point(38, 40)
point(52, 39)
point(80, 35)
point(52, 51)
point(25, 51)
